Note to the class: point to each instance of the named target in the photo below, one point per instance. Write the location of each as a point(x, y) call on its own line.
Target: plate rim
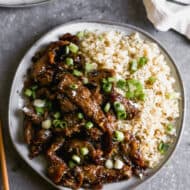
point(117, 24)
point(25, 5)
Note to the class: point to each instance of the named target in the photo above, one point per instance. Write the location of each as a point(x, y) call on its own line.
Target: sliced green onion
point(151, 80)
point(80, 115)
point(49, 105)
point(34, 87)
point(85, 80)
point(73, 48)
point(107, 87)
point(121, 84)
point(171, 95)
point(89, 67)
point(163, 147)
point(100, 38)
point(66, 50)
point(142, 96)
point(39, 103)
point(28, 92)
point(71, 164)
point(46, 124)
point(142, 61)
point(77, 73)
point(133, 66)
point(73, 86)
point(118, 106)
point(89, 125)
point(33, 94)
point(84, 151)
point(107, 107)
point(111, 79)
point(69, 61)
point(129, 95)
point(39, 110)
point(57, 115)
point(80, 34)
point(121, 115)
point(60, 124)
point(119, 136)
point(76, 158)
point(170, 127)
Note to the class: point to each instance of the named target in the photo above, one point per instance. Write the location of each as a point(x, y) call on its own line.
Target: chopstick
point(3, 161)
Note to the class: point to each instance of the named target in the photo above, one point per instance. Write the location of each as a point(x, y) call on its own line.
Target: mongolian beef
point(73, 112)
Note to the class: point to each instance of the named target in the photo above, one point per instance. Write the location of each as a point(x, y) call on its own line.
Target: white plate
point(16, 100)
point(21, 3)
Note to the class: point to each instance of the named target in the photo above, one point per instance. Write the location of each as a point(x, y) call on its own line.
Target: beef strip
point(131, 109)
point(28, 131)
point(69, 37)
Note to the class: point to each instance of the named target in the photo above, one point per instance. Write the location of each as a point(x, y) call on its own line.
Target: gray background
point(20, 28)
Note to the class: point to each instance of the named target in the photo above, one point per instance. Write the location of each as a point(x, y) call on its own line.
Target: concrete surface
point(20, 28)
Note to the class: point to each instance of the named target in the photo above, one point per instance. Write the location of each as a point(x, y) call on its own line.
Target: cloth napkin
point(167, 15)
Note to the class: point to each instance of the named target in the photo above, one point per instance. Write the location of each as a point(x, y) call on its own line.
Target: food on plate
point(100, 106)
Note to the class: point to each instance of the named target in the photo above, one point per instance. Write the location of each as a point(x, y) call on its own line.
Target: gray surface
point(20, 28)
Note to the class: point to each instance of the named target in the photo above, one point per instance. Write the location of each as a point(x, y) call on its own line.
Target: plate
point(16, 100)
point(21, 3)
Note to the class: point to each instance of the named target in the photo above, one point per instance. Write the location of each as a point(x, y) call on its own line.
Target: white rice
point(114, 50)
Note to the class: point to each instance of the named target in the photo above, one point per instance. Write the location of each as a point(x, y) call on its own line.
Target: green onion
point(162, 147)
point(107, 87)
point(57, 115)
point(151, 80)
point(77, 73)
point(80, 34)
point(66, 50)
point(73, 48)
point(107, 107)
point(111, 79)
point(69, 61)
point(60, 124)
point(89, 67)
point(34, 87)
point(121, 115)
point(89, 125)
point(80, 115)
point(84, 151)
point(121, 84)
point(118, 106)
point(28, 92)
point(170, 127)
point(39, 110)
point(49, 105)
point(142, 96)
point(73, 86)
point(33, 94)
point(85, 80)
point(142, 61)
point(46, 124)
point(129, 95)
point(133, 66)
point(76, 158)
point(100, 38)
point(71, 164)
point(119, 136)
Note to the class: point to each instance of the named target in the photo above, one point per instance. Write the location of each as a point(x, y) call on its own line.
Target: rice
point(115, 50)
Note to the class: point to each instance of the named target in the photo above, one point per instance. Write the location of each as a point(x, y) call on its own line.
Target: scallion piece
point(119, 136)
point(69, 61)
point(163, 147)
point(142, 61)
point(28, 92)
point(151, 80)
point(39, 110)
point(60, 124)
point(80, 115)
point(77, 73)
point(76, 158)
point(66, 50)
point(170, 127)
point(107, 107)
point(89, 67)
point(73, 48)
point(57, 115)
point(34, 87)
point(133, 66)
point(85, 80)
point(111, 79)
point(118, 106)
point(89, 125)
point(80, 34)
point(121, 115)
point(73, 86)
point(71, 164)
point(84, 151)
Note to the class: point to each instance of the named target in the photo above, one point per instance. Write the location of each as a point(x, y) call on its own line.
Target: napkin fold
point(166, 15)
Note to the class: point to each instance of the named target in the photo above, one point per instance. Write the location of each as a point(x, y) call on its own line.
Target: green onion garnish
point(170, 127)
point(163, 147)
point(111, 79)
point(71, 164)
point(107, 87)
point(76, 158)
point(85, 80)
point(59, 123)
point(107, 107)
point(57, 115)
point(73, 86)
point(118, 106)
point(119, 136)
point(39, 110)
point(151, 80)
point(89, 125)
point(73, 48)
point(142, 61)
point(28, 92)
point(121, 84)
point(34, 87)
point(67, 50)
point(121, 115)
point(84, 151)
point(69, 61)
point(77, 73)
point(80, 34)
point(133, 66)
point(89, 67)
point(80, 115)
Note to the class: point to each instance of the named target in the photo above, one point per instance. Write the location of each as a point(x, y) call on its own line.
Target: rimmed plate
point(21, 3)
point(16, 100)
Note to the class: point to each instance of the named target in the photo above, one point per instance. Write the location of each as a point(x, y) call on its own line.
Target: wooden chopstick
point(3, 162)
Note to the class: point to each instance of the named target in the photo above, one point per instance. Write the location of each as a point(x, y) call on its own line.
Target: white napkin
point(166, 15)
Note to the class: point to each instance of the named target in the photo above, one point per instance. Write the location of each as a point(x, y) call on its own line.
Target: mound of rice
point(161, 106)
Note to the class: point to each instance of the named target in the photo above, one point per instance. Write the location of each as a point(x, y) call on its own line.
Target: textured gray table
point(20, 28)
